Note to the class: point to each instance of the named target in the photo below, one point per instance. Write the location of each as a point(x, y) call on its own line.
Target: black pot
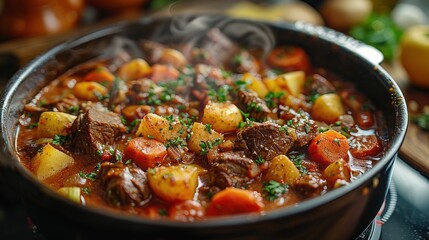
point(340, 214)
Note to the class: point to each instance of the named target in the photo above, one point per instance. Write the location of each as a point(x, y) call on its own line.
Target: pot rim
point(7, 151)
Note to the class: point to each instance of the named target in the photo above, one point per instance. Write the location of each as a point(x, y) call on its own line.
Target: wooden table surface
point(415, 149)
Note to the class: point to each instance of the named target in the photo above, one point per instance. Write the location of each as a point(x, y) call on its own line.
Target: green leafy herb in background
point(422, 121)
point(158, 4)
point(381, 32)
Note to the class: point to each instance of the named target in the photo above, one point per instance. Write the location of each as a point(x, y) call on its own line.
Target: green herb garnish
point(297, 161)
point(260, 160)
point(90, 176)
point(274, 189)
point(60, 139)
point(422, 121)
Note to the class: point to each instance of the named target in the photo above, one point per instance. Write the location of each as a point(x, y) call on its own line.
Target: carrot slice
point(289, 58)
point(235, 201)
point(145, 153)
point(328, 147)
point(365, 146)
point(101, 74)
point(365, 119)
point(162, 73)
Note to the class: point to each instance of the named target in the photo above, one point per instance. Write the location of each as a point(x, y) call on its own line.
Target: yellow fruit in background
point(415, 55)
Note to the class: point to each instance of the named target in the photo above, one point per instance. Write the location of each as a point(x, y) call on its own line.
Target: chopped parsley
point(177, 141)
point(237, 59)
point(221, 94)
point(274, 189)
point(337, 141)
point(208, 128)
point(87, 190)
point(254, 106)
point(73, 110)
point(162, 212)
point(133, 124)
point(240, 84)
point(90, 176)
point(128, 162)
point(260, 160)
point(207, 145)
point(272, 98)
point(284, 129)
point(323, 129)
point(313, 97)
point(345, 131)
point(297, 161)
point(32, 125)
point(60, 139)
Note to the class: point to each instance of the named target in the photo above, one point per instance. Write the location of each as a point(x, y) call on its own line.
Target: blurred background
point(27, 27)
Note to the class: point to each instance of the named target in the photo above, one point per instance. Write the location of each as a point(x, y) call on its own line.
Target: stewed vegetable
point(190, 132)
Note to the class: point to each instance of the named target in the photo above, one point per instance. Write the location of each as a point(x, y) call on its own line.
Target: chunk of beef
point(206, 75)
point(266, 140)
point(231, 169)
point(317, 84)
point(248, 101)
point(310, 185)
point(216, 48)
point(92, 131)
point(65, 104)
point(124, 184)
point(305, 128)
point(152, 50)
point(138, 90)
point(243, 62)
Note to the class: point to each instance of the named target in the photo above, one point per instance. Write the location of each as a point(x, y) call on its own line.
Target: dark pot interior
point(340, 214)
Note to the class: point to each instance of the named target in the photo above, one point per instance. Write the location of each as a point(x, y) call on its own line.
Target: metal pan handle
point(368, 52)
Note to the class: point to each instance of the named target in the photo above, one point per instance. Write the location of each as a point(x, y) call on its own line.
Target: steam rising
point(192, 30)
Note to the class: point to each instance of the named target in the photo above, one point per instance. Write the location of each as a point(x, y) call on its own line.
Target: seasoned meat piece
point(138, 90)
point(305, 128)
point(318, 85)
point(124, 184)
point(266, 140)
point(310, 185)
point(231, 169)
point(152, 50)
point(206, 75)
point(92, 131)
point(66, 103)
point(251, 103)
point(217, 48)
point(243, 62)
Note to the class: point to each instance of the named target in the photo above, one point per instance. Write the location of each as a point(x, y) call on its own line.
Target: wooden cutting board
point(415, 149)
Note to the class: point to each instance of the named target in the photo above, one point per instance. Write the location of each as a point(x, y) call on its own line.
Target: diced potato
point(53, 123)
point(282, 170)
point(173, 57)
point(292, 82)
point(174, 183)
point(134, 69)
point(72, 193)
point(91, 91)
point(50, 161)
point(272, 85)
point(337, 172)
point(161, 129)
point(200, 133)
point(327, 108)
point(222, 116)
point(256, 85)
